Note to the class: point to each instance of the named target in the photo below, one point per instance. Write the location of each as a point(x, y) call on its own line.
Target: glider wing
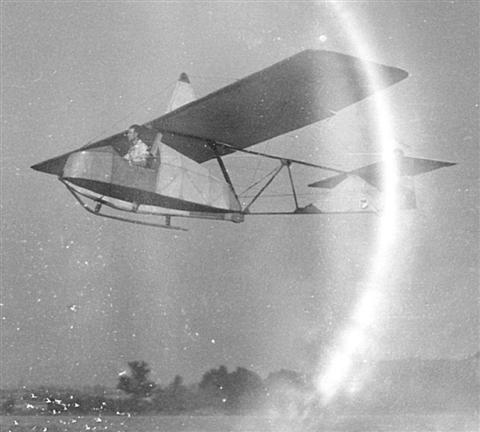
point(305, 88)
point(300, 90)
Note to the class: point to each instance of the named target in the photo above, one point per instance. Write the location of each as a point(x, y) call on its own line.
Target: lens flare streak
point(351, 348)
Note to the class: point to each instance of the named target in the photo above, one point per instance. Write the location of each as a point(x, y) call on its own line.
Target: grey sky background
point(267, 294)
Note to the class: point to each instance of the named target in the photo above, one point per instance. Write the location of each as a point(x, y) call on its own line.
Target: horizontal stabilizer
point(414, 166)
point(330, 182)
point(375, 173)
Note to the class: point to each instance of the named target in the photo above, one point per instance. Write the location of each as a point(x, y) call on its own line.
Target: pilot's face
point(131, 134)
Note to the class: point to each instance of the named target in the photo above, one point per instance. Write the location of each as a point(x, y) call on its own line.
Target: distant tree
point(232, 391)
point(245, 389)
point(286, 390)
point(285, 377)
point(215, 386)
point(137, 384)
point(174, 398)
point(215, 380)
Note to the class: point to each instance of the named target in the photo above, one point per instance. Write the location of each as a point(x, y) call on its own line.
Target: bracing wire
point(257, 182)
point(131, 113)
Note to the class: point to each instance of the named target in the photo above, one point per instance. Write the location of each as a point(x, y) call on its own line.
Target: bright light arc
point(353, 343)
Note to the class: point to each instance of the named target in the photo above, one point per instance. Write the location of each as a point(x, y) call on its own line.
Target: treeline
point(219, 391)
point(397, 386)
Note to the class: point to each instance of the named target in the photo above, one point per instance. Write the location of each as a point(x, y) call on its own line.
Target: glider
point(171, 181)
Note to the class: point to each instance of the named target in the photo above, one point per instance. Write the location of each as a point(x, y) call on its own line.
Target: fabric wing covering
point(300, 90)
point(305, 88)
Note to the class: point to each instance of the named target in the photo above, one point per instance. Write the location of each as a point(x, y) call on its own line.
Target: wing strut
point(269, 156)
point(298, 210)
point(293, 186)
point(213, 146)
point(277, 171)
point(283, 162)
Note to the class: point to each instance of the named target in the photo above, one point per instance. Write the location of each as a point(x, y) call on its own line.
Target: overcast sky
point(267, 294)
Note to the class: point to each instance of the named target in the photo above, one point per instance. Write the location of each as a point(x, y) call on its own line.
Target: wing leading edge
point(300, 90)
point(303, 89)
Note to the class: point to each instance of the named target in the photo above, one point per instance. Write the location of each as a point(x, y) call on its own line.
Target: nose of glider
point(52, 166)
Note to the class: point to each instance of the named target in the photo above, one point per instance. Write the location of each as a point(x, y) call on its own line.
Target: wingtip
point(42, 167)
point(435, 164)
point(51, 166)
point(403, 74)
point(394, 75)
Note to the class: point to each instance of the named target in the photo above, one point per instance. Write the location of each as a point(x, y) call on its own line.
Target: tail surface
point(182, 94)
point(375, 173)
point(367, 183)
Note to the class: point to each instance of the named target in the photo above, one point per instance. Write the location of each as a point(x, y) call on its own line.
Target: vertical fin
point(182, 94)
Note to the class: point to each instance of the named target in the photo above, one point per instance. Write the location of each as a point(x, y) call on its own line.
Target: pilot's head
point(132, 132)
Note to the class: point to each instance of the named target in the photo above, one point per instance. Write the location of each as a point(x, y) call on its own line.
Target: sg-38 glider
point(156, 168)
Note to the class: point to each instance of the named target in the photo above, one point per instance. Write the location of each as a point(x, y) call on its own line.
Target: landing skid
point(98, 207)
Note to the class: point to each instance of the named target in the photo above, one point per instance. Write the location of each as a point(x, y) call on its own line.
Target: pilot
point(138, 152)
